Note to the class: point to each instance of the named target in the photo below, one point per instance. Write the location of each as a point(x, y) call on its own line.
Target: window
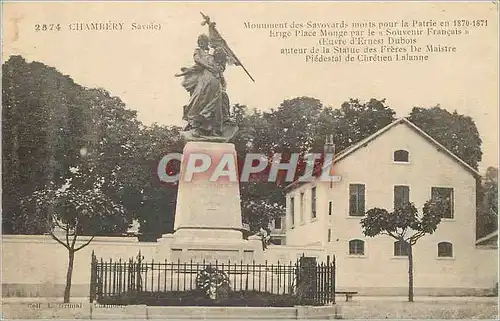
point(277, 223)
point(356, 200)
point(401, 196)
point(276, 241)
point(313, 202)
point(401, 248)
point(356, 247)
point(401, 156)
point(445, 194)
point(330, 208)
point(302, 207)
point(329, 235)
point(292, 210)
point(445, 249)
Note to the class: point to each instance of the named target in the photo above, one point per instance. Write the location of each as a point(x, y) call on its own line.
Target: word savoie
point(147, 26)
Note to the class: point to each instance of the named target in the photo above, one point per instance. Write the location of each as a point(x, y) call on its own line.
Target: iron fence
point(305, 278)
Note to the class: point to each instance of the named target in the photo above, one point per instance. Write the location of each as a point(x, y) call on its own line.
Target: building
point(278, 231)
point(399, 163)
point(489, 241)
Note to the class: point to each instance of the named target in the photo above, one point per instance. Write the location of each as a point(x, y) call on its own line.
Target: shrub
point(199, 298)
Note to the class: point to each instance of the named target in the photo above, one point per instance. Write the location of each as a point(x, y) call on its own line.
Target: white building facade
point(399, 163)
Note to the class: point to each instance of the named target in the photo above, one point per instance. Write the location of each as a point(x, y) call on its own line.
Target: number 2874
point(47, 27)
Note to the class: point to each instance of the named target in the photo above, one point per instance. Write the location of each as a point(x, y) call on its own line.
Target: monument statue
point(208, 221)
point(208, 111)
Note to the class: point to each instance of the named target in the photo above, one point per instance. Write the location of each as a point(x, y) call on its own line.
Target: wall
point(486, 265)
point(378, 271)
point(306, 230)
point(36, 265)
point(286, 254)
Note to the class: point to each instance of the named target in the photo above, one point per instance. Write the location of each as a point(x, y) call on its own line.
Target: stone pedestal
point(208, 222)
point(208, 206)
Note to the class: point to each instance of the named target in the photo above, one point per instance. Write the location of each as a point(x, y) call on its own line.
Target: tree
point(405, 226)
point(487, 206)
point(458, 133)
point(292, 127)
point(36, 130)
point(352, 122)
point(153, 201)
point(73, 207)
point(261, 201)
point(110, 140)
point(66, 158)
point(47, 121)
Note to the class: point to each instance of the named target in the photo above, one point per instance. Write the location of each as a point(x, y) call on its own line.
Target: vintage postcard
point(243, 160)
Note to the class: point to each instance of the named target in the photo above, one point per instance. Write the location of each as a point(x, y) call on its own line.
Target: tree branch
point(420, 234)
point(84, 245)
point(58, 240)
point(394, 236)
point(75, 234)
point(57, 223)
point(389, 234)
point(403, 233)
point(67, 237)
point(414, 238)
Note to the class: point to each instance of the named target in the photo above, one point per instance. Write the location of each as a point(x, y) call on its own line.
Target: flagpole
point(212, 24)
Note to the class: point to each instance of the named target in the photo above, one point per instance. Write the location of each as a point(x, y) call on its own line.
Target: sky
point(138, 65)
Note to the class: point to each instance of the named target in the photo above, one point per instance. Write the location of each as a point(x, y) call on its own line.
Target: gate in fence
point(305, 278)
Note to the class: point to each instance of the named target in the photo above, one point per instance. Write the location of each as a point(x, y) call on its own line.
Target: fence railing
point(113, 278)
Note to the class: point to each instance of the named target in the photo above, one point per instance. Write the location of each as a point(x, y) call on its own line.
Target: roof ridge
point(352, 148)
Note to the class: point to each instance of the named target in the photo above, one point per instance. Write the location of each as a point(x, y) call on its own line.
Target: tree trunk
point(69, 274)
point(410, 273)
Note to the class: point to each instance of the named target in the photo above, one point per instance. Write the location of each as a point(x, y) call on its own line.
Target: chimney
point(329, 147)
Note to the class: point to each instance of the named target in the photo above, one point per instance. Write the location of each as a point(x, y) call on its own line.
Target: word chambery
point(314, 166)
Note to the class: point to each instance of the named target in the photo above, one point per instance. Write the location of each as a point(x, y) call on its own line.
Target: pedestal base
point(208, 224)
point(200, 246)
point(202, 233)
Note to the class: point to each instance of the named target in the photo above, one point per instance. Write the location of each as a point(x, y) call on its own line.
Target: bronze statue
point(208, 111)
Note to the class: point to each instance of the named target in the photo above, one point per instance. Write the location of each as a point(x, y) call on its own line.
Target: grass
point(198, 298)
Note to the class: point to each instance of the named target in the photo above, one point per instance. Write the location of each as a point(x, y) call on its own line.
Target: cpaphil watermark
point(254, 167)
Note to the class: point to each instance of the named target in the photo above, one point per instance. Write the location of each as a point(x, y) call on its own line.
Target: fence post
point(92, 277)
point(333, 279)
point(328, 286)
point(138, 271)
point(307, 278)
